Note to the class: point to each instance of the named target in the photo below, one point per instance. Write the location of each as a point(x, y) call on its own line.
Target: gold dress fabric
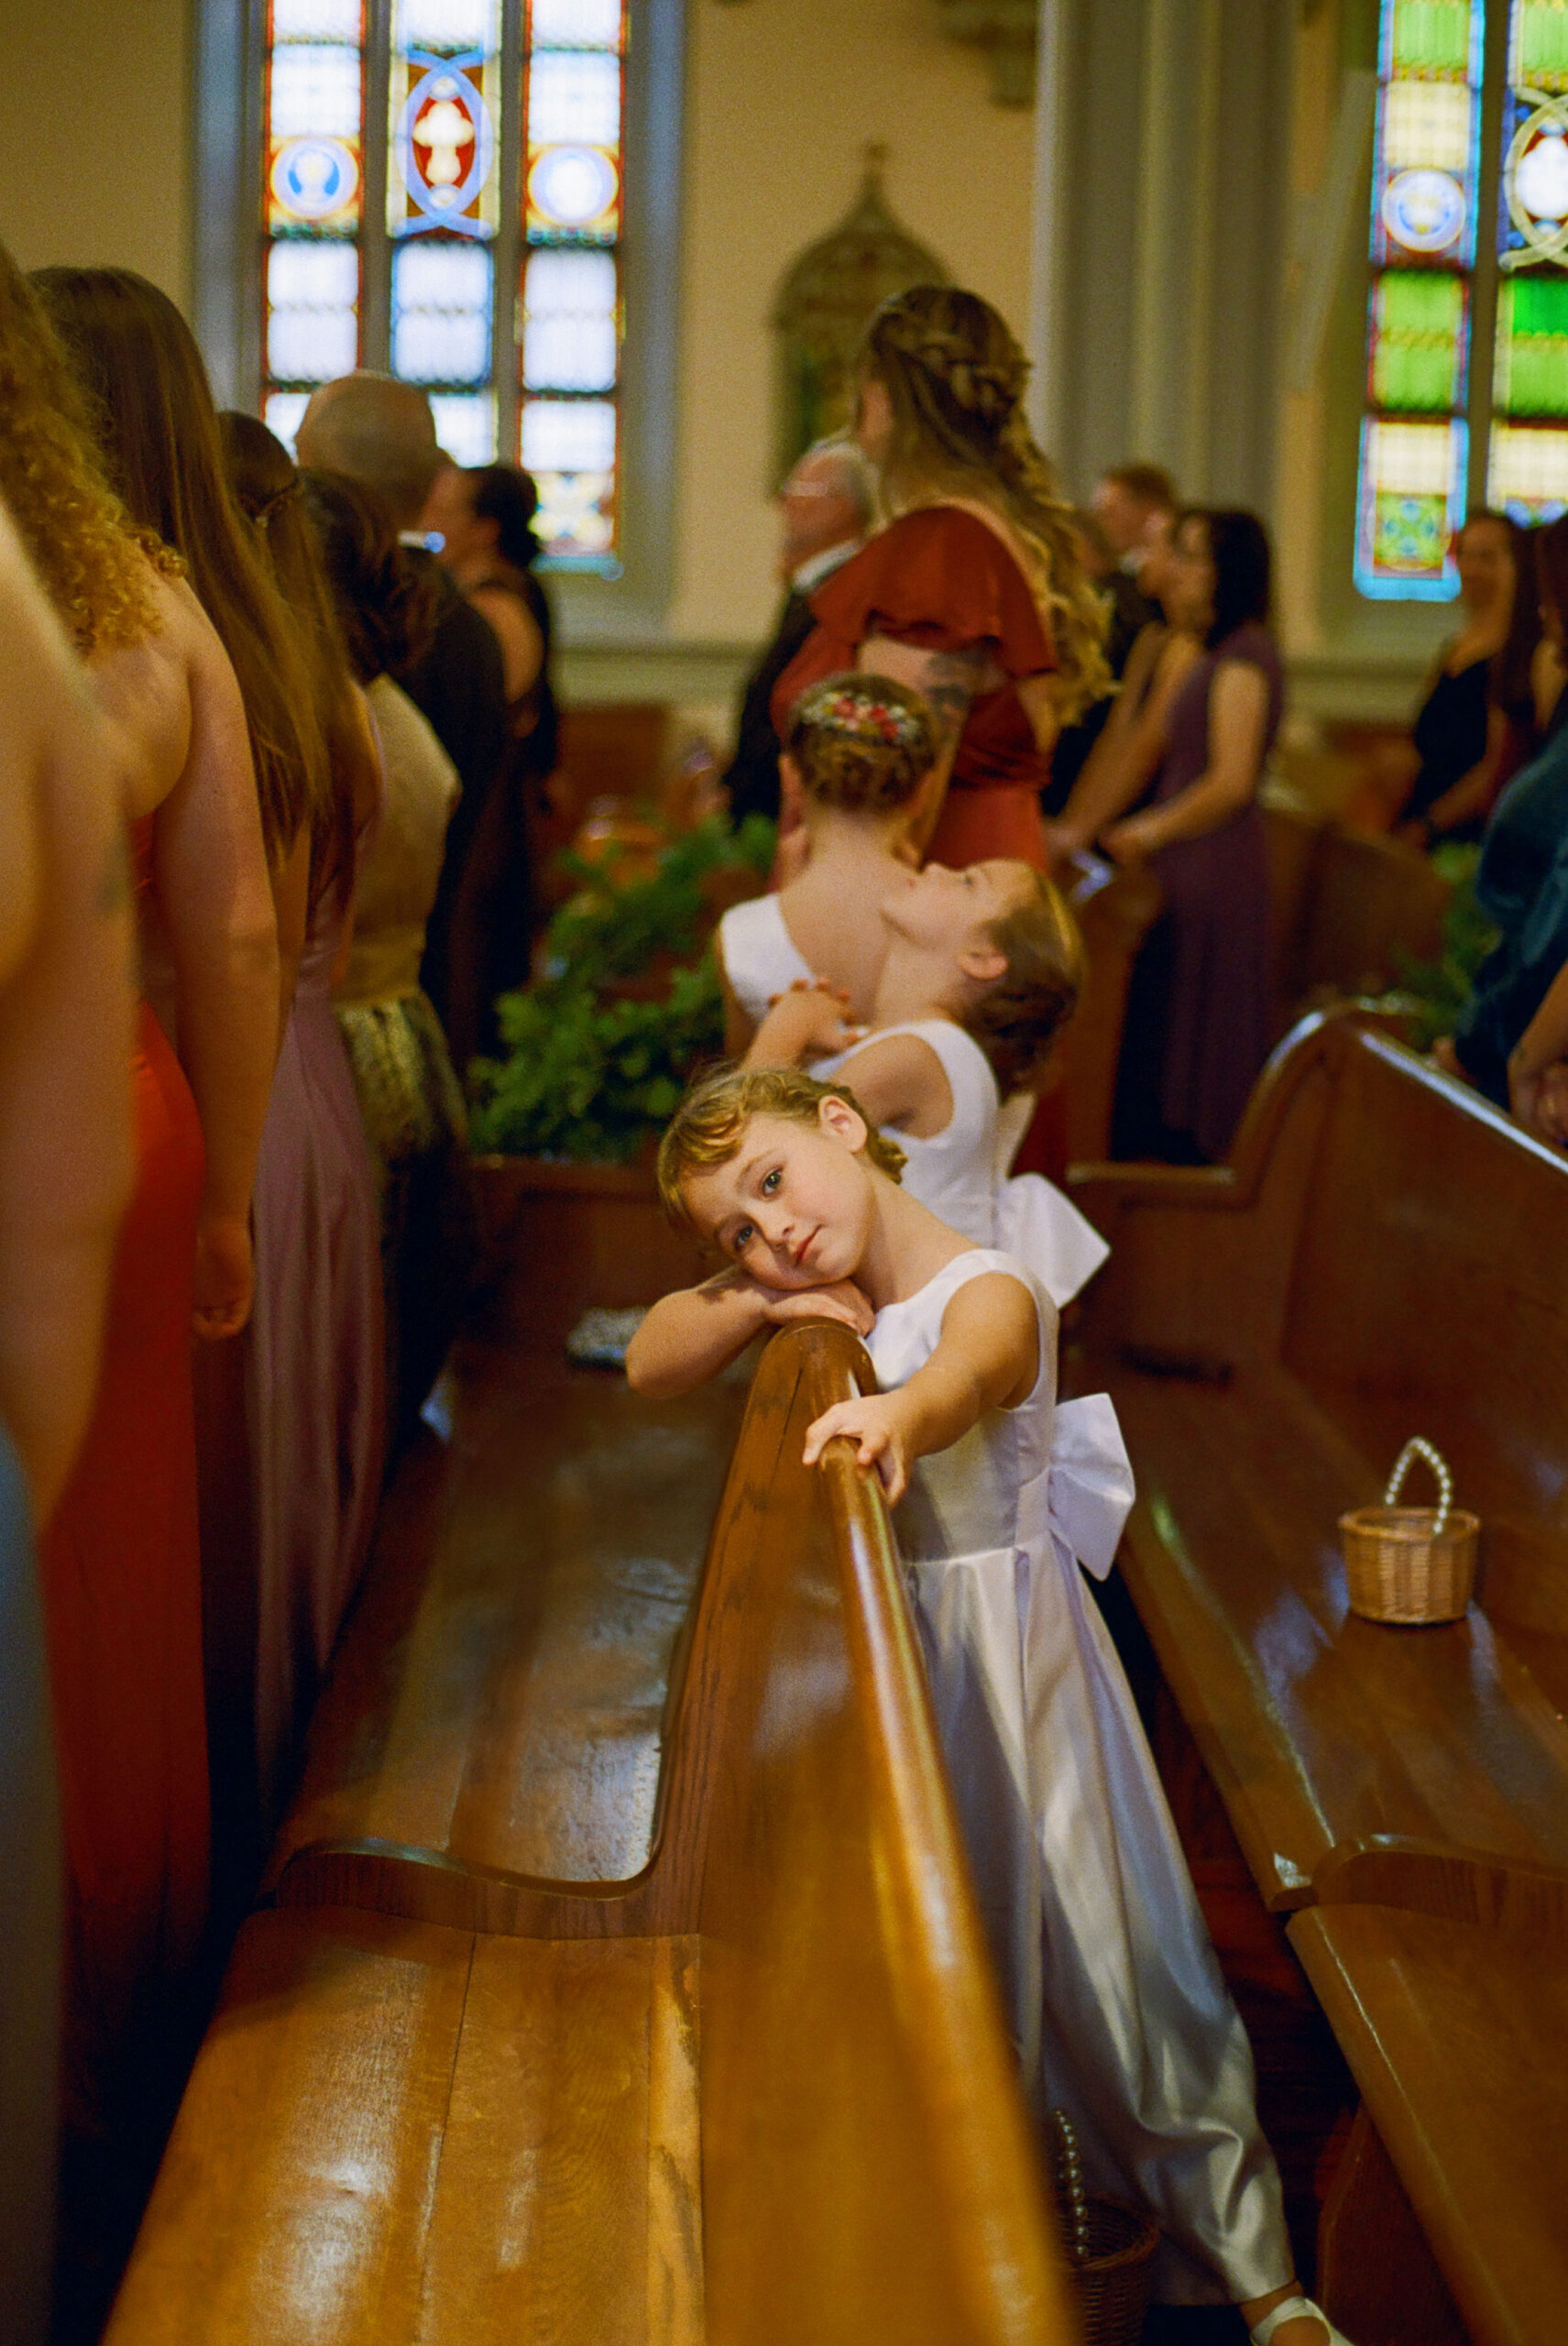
point(408, 1094)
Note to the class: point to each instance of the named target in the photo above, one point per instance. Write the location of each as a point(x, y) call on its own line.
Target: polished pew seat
point(1457, 2035)
point(758, 2090)
point(499, 1691)
point(398, 2130)
point(1382, 1256)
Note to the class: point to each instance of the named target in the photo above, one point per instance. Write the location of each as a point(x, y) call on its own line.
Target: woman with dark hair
point(1476, 725)
point(1196, 1031)
point(1514, 881)
point(486, 517)
point(308, 1437)
point(409, 1095)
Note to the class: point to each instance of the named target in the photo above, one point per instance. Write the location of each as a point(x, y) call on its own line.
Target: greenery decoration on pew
point(1431, 995)
point(592, 1072)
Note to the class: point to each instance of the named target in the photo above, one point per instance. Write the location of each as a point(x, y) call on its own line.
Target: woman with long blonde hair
point(121, 1568)
point(974, 591)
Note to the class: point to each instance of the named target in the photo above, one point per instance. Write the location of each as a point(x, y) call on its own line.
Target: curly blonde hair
point(955, 377)
point(861, 743)
point(92, 561)
point(709, 1126)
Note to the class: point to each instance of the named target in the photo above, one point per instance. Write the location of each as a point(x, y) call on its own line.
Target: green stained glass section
point(1539, 48)
point(1531, 371)
point(1431, 37)
point(1417, 327)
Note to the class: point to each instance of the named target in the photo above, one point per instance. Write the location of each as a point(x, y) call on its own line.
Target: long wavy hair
point(137, 364)
point(270, 489)
point(92, 561)
point(955, 377)
point(385, 600)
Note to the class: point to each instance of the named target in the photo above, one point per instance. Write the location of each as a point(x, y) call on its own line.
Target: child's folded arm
point(690, 1336)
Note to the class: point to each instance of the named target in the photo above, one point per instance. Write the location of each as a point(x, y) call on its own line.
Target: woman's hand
point(1131, 842)
point(839, 1300)
point(224, 1276)
point(875, 1423)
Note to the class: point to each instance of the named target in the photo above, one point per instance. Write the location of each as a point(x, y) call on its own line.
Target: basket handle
point(1067, 2165)
point(1417, 1448)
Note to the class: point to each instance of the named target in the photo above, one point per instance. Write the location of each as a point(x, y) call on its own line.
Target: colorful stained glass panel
point(1412, 504)
point(1528, 475)
point(1418, 341)
point(445, 94)
point(1435, 37)
point(282, 413)
point(573, 96)
point(329, 20)
point(1530, 372)
point(1538, 48)
point(569, 322)
point(315, 91)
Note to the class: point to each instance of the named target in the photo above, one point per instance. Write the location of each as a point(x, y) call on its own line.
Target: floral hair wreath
point(865, 716)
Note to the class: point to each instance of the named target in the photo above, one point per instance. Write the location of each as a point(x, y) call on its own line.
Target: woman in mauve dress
point(1196, 1032)
point(315, 1366)
point(974, 592)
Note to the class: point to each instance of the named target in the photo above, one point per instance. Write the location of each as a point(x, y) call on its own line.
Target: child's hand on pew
point(876, 1423)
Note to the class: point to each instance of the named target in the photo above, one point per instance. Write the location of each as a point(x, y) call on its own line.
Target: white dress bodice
point(956, 1172)
point(760, 958)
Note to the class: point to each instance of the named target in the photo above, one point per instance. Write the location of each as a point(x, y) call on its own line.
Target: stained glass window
point(492, 226)
point(1527, 459)
point(1424, 199)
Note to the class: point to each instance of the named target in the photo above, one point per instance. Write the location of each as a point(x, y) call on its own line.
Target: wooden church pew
point(1457, 2035)
point(759, 2090)
point(1383, 1256)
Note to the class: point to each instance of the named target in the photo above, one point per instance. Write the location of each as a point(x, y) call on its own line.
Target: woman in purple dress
point(1197, 1028)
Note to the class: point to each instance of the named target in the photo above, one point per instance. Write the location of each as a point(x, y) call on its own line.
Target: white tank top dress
point(1118, 2011)
point(956, 1172)
point(760, 958)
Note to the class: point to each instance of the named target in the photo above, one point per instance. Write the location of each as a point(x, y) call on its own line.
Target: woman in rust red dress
point(974, 592)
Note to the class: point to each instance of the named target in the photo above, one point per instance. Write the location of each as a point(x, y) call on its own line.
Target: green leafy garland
point(590, 1074)
point(1432, 993)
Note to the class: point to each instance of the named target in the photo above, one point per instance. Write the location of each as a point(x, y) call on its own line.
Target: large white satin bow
point(1083, 1498)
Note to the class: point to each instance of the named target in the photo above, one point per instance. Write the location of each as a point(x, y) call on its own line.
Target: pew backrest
point(867, 2163)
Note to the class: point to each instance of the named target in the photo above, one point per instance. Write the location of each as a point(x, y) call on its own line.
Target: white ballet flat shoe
point(1296, 2308)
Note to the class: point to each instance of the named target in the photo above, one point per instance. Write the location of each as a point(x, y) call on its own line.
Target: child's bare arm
point(805, 1023)
point(689, 1336)
point(987, 1357)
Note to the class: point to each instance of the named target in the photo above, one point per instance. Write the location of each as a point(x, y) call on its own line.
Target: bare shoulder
point(895, 1077)
point(1004, 1325)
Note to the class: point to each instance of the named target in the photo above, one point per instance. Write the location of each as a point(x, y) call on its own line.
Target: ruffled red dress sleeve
point(939, 578)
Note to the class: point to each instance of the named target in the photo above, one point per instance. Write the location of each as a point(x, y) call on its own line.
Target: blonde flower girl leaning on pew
point(1114, 1998)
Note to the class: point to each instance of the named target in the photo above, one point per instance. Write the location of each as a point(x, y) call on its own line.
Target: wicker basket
point(1110, 2247)
point(1411, 1565)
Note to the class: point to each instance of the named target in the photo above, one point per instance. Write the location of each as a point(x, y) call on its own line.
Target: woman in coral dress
point(974, 593)
point(120, 1567)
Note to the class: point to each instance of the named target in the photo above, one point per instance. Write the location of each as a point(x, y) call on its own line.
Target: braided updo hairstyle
point(860, 742)
point(955, 377)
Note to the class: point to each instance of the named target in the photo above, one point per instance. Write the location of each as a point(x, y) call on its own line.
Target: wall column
point(1160, 203)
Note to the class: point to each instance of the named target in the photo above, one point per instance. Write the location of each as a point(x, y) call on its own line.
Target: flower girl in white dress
point(980, 970)
point(1116, 1999)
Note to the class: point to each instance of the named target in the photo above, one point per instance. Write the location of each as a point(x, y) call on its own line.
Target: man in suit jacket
point(825, 507)
point(381, 432)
